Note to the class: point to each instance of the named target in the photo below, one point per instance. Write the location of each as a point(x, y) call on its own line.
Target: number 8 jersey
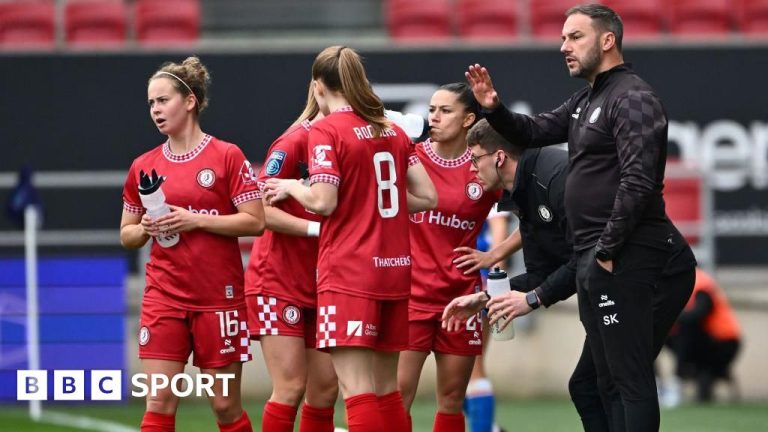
point(364, 243)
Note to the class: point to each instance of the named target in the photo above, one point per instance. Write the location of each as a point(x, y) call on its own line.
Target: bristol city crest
point(206, 177)
point(291, 314)
point(474, 190)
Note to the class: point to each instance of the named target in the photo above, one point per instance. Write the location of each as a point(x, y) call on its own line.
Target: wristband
point(313, 229)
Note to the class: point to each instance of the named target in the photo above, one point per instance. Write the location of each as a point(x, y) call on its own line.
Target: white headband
point(185, 85)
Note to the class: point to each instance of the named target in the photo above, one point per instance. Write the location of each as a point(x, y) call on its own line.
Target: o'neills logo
point(401, 261)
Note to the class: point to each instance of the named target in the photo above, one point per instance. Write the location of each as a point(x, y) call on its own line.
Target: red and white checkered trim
point(246, 343)
point(325, 178)
point(306, 124)
point(130, 208)
point(262, 186)
point(267, 316)
point(247, 196)
point(186, 156)
point(346, 108)
point(445, 163)
point(413, 160)
point(325, 326)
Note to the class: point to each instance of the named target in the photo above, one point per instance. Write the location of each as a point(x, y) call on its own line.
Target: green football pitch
point(514, 416)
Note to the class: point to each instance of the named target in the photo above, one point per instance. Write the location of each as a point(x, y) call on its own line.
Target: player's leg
point(287, 366)
point(164, 347)
point(226, 402)
point(480, 401)
point(221, 344)
point(453, 373)
point(160, 414)
point(322, 386)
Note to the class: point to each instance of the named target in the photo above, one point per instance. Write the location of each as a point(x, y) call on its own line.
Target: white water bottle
point(153, 199)
point(498, 284)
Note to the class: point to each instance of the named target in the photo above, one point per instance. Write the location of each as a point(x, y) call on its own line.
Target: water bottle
point(153, 199)
point(498, 284)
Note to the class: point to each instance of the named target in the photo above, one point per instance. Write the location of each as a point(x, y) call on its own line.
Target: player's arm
point(421, 191)
point(473, 260)
point(321, 197)
point(248, 221)
point(132, 232)
point(286, 223)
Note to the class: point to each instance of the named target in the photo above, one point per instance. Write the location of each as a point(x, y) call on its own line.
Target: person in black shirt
point(635, 271)
point(534, 183)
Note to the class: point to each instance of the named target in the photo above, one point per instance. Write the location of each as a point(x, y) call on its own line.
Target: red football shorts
point(347, 320)
point(425, 333)
point(217, 338)
point(275, 316)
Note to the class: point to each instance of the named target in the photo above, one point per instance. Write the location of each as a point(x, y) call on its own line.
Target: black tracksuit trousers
point(627, 315)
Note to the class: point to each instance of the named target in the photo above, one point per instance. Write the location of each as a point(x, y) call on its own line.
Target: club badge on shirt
point(206, 178)
point(545, 213)
point(474, 191)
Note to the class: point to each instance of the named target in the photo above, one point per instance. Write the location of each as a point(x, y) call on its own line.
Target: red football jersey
point(364, 245)
point(462, 207)
point(203, 271)
point(283, 265)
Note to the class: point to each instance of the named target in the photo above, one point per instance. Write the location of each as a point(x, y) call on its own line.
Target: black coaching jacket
point(537, 200)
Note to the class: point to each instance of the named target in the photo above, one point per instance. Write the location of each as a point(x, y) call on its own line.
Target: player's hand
point(177, 221)
point(480, 82)
point(276, 190)
point(149, 226)
point(460, 309)
point(606, 265)
point(472, 260)
point(510, 305)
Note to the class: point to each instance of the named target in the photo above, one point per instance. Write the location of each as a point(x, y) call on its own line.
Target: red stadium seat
point(548, 16)
point(642, 19)
point(167, 21)
point(752, 17)
point(482, 19)
point(27, 24)
point(700, 17)
point(419, 20)
point(95, 22)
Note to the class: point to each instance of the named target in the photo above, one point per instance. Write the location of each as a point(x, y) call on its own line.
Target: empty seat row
point(32, 23)
point(486, 19)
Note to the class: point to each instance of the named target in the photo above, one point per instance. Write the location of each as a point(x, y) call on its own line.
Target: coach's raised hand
point(480, 81)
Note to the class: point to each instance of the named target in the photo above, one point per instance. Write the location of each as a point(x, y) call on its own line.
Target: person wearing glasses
point(533, 182)
point(462, 207)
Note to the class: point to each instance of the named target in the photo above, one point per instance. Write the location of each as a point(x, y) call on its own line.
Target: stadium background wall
point(88, 112)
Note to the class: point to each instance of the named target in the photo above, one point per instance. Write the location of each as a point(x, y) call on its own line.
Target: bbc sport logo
point(107, 385)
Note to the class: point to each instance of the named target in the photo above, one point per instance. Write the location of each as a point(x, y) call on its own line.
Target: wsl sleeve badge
point(274, 163)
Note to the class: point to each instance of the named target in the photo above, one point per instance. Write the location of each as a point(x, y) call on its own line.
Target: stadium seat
point(482, 19)
point(95, 22)
point(27, 24)
point(752, 17)
point(419, 20)
point(548, 16)
point(700, 17)
point(167, 21)
point(642, 19)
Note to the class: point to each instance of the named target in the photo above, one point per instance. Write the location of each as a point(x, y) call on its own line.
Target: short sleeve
point(131, 199)
point(323, 157)
point(240, 176)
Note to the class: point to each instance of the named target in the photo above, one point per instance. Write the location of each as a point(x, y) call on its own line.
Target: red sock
point(448, 422)
point(410, 423)
point(243, 424)
point(392, 409)
point(363, 413)
point(156, 422)
point(278, 417)
point(316, 419)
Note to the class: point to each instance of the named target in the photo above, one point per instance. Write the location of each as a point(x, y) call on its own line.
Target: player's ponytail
point(341, 70)
point(311, 109)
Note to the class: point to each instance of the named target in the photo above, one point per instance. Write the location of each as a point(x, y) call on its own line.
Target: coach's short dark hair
point(604, 19)
point(485, 136)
